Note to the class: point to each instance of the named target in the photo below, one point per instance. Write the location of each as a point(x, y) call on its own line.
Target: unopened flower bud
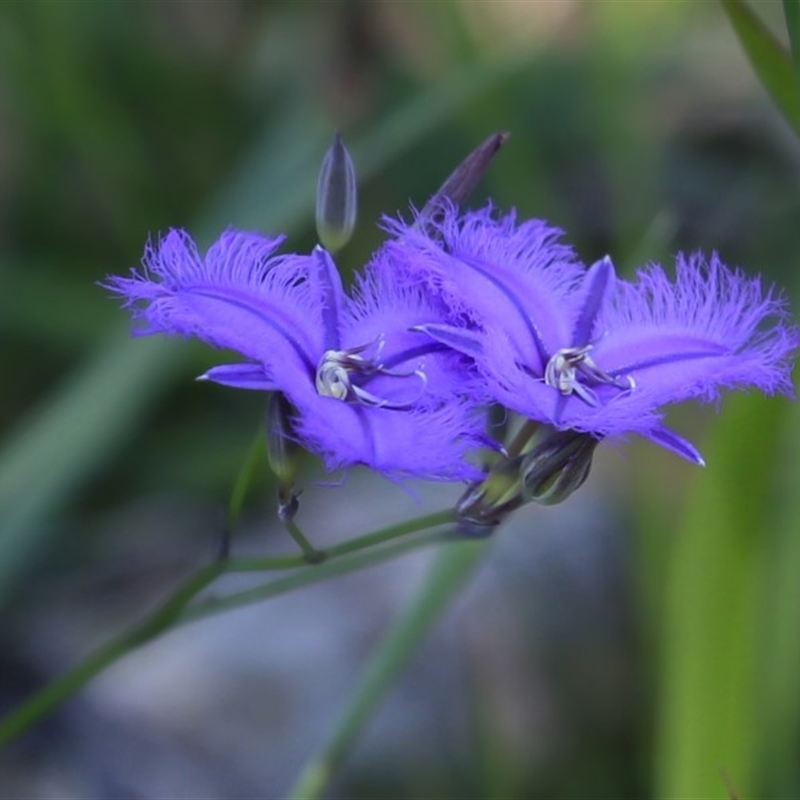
point(336, 197)
point(463, 180)
point(283, 453)
point(557, 465)
point(500, 492)
point(554, 464)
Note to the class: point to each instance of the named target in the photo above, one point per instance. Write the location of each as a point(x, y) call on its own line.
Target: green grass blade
point(791, 11)
point(779, 669)
point(711, 633)
point(769, 59)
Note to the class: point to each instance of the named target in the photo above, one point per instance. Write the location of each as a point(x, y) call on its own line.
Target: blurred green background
point(641, 130)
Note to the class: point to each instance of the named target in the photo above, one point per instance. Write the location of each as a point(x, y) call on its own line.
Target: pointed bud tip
point(337, 196)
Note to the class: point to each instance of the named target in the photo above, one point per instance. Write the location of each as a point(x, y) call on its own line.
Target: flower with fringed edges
point(366, 387)
point(581, 349)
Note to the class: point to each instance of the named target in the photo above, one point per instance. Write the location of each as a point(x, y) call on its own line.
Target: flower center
point(342, 374)
point(570, 366)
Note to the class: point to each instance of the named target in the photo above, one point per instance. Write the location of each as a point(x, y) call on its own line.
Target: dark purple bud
point(463, 180)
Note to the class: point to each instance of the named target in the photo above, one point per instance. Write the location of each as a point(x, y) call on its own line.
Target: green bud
point(337, 197)
point(488, 502)
point(556, 466)
point(283, 453)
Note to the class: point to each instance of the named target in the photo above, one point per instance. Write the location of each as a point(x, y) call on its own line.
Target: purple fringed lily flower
point(583, 350)
point(366, 388)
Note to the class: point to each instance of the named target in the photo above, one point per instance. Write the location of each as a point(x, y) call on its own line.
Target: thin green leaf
point(769, 59)
point(791, 11)
point(780, 664)
point(711, 637)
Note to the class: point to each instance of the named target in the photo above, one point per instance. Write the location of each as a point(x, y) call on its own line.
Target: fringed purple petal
point(711, 328)
point(510, 279)
point(664, 341)
point(241, 297)
point(520, 390)
point(431, 444)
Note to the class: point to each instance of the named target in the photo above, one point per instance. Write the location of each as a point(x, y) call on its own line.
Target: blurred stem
point(368, 540)
point(175, 610)
point(253, 460)
point(453, 567)
point(46, 700)
point(768, 57)
point(305, 577)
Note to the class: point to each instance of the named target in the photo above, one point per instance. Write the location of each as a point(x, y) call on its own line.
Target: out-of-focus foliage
point(638, 128)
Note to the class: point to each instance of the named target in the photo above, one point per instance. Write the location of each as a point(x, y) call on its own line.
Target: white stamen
point(337, 368)
point(568, 365)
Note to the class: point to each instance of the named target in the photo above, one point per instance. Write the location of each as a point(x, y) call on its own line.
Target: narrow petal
point(460, 339)
point(331, 293)
point(240, 376)
point(596, 291)
point(669, 439)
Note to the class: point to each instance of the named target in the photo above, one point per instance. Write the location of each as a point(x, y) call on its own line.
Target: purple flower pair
point(451, 315)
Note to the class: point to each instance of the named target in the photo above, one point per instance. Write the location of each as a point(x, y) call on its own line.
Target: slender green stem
point(305, 577)
point(380, 536)
point(57, 692)
point(255, 455)
point(310, 553)
point(175, 610)
point(446, 577)
point(390, 532)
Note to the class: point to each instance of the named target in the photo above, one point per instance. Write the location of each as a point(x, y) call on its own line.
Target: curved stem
point(380, 536)
point(175, 610)
point(52, 695)
point(305, 577)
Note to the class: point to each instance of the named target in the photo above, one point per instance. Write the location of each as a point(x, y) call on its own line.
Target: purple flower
point(583, 350)
point(366, 388)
